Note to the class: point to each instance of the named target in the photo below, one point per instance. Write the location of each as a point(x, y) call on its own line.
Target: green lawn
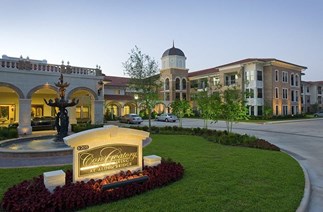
point(216, 178)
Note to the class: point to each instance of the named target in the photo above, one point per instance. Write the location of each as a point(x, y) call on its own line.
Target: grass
point(216, 178)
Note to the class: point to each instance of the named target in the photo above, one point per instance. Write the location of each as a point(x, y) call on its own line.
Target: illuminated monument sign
point(106, 151)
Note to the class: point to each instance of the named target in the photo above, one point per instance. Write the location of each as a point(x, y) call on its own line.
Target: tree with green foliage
point(144, 78)
point(233, 106)
point(181, 108)
point(209, 105)
point(268, 111)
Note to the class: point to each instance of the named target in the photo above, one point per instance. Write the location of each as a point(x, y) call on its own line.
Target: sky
point(210, 33)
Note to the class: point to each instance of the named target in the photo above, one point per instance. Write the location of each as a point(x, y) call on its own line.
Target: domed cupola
point(173, 58)
point(173, 51)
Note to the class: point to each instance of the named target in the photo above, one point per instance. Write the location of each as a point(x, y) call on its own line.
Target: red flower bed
point(33, 196)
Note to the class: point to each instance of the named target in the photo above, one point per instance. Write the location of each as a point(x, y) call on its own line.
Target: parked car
point(318, 114)
point(167, 117)
point(40, 123)
point(131, 119)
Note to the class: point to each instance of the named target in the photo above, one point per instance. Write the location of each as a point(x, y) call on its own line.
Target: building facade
point(312, 96)
point(271, 83)
point(25, 83)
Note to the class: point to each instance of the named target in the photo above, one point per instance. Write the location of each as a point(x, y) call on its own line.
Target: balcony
point(39, 66)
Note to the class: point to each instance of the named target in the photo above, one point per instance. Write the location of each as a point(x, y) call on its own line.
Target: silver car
point(131, 118)
point(167, 117)
point(318, 114)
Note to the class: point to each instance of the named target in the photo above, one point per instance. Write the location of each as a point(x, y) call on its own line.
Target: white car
point(318, 114)
point(131, 119)
point(167, 117)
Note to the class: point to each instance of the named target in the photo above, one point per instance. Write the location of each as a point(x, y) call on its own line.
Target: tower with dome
point(174, 76)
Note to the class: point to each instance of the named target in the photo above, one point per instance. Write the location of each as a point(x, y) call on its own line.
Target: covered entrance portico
point(23, 90)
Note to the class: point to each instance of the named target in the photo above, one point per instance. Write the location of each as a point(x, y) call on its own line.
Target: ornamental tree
point(233, 106)
point(209, 105)
point(144, 78)
point(181, 108)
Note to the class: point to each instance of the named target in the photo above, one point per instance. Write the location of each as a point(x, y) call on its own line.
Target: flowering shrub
point(32, 195)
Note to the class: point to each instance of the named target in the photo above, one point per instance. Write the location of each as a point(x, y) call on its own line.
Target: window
point(177, 84)
point(249, 93)
point(252, 110)
point(292, 95)
point(319, 100)
point(276, 75)
point(82, 112)
point(184, 96)
point(296, 96)
point(319, 90)
point(178, 96)
point(167, 84)
point(285, 95)
point(230, 80)
point(183, 84)
point(293, 110)
point(216, 80)
point(259, 110)
point(285, 76)
point(276, 111)
point(117, 92)
point(302, 89)
point(202, 83)
point(250, 75)
point(276, 93)
point(259, 93)
point(259, 75)
point(307, 89)
point(292, 80)
point(285, 110)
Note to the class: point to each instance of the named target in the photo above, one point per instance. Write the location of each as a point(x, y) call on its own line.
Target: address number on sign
point(83, 147)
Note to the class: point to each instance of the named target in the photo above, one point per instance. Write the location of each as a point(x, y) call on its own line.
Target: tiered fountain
point(62, 119)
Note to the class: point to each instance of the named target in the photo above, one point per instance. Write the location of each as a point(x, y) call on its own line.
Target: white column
point(72, 116)
point(98, 112)
point(24, 127)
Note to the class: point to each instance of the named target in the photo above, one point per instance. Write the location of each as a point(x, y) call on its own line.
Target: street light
point(136, 101)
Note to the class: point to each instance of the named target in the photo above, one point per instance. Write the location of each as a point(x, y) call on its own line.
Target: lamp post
point(136, 101)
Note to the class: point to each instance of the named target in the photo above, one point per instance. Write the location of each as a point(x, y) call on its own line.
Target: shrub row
point(7, 133)
point(85, 126)
point(33, 196)
point(221, 137)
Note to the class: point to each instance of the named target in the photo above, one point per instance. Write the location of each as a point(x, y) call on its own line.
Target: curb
point(303, 206)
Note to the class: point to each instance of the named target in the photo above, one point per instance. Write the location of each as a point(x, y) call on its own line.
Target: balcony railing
point(26, 65)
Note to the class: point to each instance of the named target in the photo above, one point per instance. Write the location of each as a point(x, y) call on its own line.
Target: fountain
point(62, 119)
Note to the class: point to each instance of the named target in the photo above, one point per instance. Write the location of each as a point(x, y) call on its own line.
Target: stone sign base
point(152, 160)
point(53, 179)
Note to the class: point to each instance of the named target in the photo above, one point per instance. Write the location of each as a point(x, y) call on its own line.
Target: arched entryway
point(9, 104)
point(38, 106)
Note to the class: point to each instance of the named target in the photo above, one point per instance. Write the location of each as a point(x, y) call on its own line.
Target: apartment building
point(311, 96)
point(271, 83)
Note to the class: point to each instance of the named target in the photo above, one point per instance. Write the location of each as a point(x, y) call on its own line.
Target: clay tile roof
point(203, 72)
point(116, 81)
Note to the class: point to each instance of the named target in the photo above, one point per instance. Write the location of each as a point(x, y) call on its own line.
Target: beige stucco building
point(271, 83)
point(25, 83)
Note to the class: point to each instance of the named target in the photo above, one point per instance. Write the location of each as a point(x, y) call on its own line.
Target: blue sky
point(210, 33)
